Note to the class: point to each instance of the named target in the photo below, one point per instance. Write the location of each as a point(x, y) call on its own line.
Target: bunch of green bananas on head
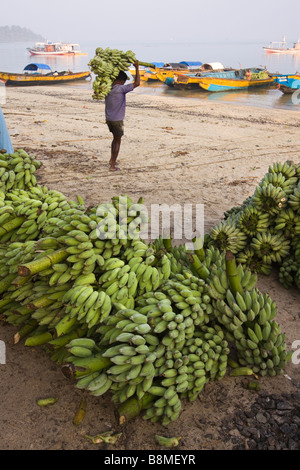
point(106, 65)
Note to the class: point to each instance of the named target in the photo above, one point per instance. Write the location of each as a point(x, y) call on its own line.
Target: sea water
point(15, 56)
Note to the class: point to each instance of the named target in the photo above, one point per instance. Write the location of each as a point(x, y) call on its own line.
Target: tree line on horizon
point(17, 34)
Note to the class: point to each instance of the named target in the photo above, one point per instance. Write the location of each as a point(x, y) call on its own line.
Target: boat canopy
point(213, 66)
point(175, 65)
point(158, 64)
point(36, 67)
point(192, 64)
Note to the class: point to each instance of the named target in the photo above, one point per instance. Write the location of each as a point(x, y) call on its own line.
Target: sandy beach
point(174, 150)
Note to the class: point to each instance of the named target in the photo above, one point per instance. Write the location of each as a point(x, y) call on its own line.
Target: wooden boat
point(148, 74)
point(55, 49)
point(287, 84)
point(41, 74)
point(188, 78)
point(282, 47)
point(166, 70)
point(237, 80)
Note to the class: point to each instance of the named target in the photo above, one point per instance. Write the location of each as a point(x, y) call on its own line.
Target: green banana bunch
point(251, 221)
point(278, 180)
point(294, 199)
point(269, 198)
point(106, 65)
point(227, 236)
point(263, 348)
point(287, 169)
point(270, 248)
point(17, 170)
point(250, 259)
point(288, 223)
point(289, 272)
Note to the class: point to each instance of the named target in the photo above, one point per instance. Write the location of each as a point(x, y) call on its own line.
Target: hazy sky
point(156, 20)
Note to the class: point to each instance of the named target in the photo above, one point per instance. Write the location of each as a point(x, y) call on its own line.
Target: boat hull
point(19, 79)
point(270, 50)
point(224, 84)
point(287, 84)
point(47, 54)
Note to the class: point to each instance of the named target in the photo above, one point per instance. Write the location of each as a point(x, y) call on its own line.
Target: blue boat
point(287, 84)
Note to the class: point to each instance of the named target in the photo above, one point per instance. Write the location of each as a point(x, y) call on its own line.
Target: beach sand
point(174, 151)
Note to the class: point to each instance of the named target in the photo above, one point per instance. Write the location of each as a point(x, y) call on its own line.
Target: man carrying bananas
point(115, 106)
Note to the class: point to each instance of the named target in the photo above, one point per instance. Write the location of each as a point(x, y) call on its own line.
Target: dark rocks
point(272, 423)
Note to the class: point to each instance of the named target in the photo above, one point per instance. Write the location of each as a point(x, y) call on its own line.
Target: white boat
point(282, 47)
point(54, 49)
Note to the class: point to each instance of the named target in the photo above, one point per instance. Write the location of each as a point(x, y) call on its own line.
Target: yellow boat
point(221, 80)
point(148, 74)
point(41, 74)
point(162, 71)
point(217, 84)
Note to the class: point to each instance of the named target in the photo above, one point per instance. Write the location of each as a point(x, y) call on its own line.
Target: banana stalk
point(146, 64)
point(64, 325)
point(132, 407)
point(233, 279)
point(84, 366)
point(168, 243)
point(11, 225)
point(200, 269)
point(28, 328)
point(46, 262)
point(38, 340)
point(199, 251)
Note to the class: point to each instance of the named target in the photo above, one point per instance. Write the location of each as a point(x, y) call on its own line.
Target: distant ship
point(282, 47)
point(55, 49)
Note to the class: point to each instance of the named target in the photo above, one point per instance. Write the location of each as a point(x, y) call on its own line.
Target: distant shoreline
point(13, 34)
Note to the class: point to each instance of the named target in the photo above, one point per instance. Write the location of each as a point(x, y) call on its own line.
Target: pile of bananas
point(17, 170)
point(260, 75)
point(106, 66)
point(265, 230)
point(133, 318)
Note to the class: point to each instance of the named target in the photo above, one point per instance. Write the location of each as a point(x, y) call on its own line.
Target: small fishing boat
point(41, 74)
point(287, 84)
point(55, 49)
point(191, 80)
point(185, 78)
point(282, 47)
point(240, 79)
point(147, 73)
point(166, 70)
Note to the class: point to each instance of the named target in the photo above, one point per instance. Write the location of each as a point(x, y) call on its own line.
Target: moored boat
point(240, 79)
point(282, 47)
point(55, 49)
point(287, 84)
point(191, 80)
point(167, 70)
point(147, 73)
point(41, 74)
